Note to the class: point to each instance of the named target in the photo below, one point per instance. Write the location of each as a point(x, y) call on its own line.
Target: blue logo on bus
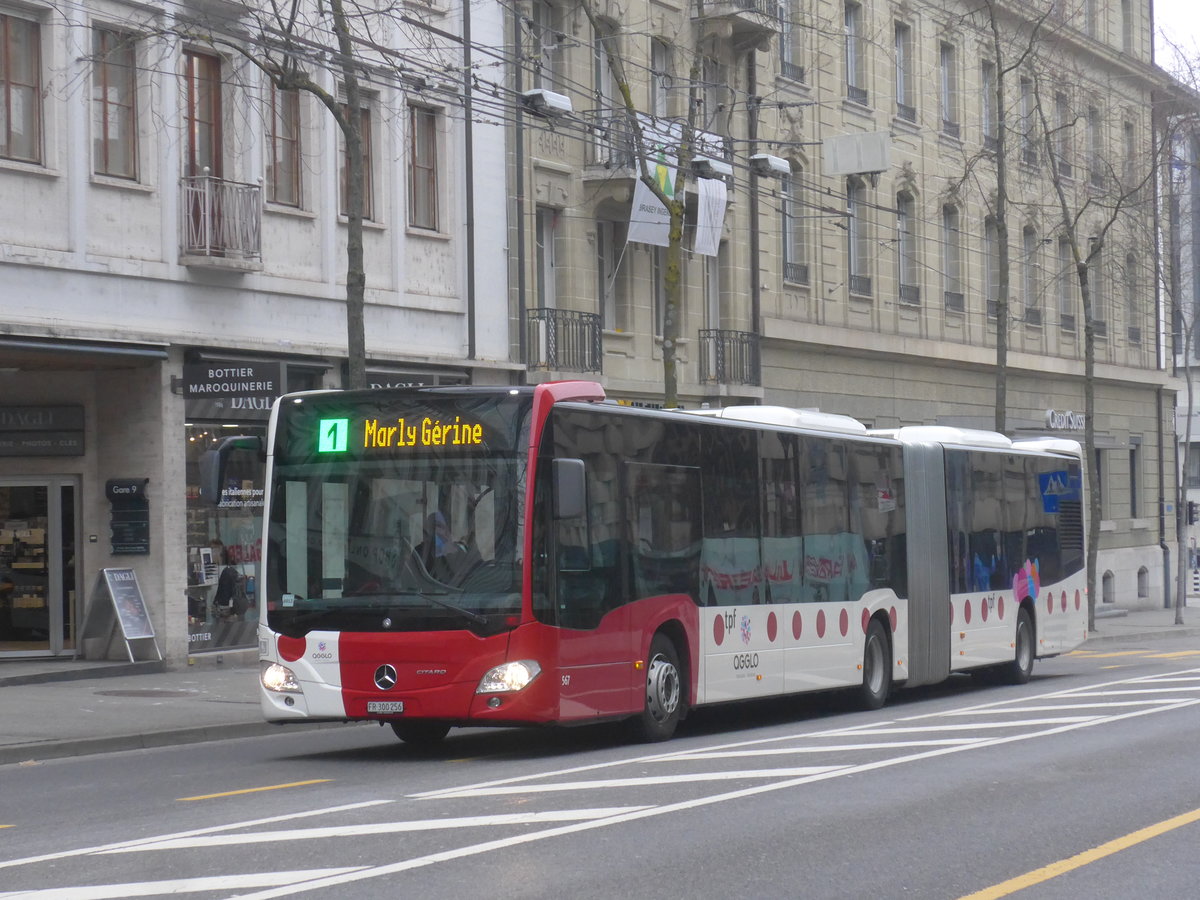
point(1056, 487)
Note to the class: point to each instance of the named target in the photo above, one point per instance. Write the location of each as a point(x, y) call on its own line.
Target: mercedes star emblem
point(385, 677)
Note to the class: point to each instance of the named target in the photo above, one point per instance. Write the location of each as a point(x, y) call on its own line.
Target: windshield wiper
point(470, 616)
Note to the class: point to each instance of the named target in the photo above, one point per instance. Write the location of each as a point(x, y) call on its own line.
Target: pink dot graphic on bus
point(719, 629)
point(866, 620)
point(1064, 601)
point(797, 625)
point(844, 622)
point(1050, 601)
point(892, 619)
point(1000, 607)
point(773, 626)
point(820, 623)
point(1078, 602)
point(983, 609)
point(967, 612)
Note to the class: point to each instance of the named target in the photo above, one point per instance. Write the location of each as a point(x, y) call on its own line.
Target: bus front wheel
point(420, 733)
point(876, 668)
point(664, 692)
point(1019, 670)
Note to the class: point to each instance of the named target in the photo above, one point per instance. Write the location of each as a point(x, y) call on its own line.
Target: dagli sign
point(1064, 420)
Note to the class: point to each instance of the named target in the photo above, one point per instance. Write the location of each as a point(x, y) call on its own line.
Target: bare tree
point(290, 41)
point(1087, 217)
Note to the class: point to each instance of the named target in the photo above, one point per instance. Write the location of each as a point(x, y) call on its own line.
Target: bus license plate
point(385, 706)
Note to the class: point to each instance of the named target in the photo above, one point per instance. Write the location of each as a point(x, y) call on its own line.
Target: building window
point(1062, 134)
point(714, 268)
point(610, 277)
point(1132, 316)
point(1029, 275)
point(856, 75)
point(660, 78)
point(1095, 138)
point(202, 114)
point(905, 94)
point(906, 256)
point(954, 295)
point(20, 89)
point(545, 237)
point(114, 104)
point(1029, 154)
point(714, 93)
point(1127, 26)
point(795, 257)
point(1099, 292)
point(548, 42)
point(1066, 285)
point(791, 38)
point(991, 265)
point(989, 118)
point(858, 241)
point(423, 169)
point(283, 148)
point(1135, 466)
point(948, 88)
point(367, 138)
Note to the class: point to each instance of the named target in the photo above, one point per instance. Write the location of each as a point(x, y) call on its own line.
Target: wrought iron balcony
point(222, 222)
point(612, 141)
point(562, 340)
point(749, 21)
point(729, 357)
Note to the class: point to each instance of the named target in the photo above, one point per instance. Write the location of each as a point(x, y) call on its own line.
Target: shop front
point(228, 395)
point(38, 581)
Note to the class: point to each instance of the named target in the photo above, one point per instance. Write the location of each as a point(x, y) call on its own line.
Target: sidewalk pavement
point(56, 708)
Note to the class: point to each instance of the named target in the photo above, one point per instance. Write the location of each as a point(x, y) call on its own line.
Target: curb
point(36, 752)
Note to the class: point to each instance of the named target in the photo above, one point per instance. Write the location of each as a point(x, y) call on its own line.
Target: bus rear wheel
point(664, 692)
point(876, 669)
point(420, 733)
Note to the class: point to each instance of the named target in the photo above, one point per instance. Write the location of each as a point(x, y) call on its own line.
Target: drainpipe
point(469, 153)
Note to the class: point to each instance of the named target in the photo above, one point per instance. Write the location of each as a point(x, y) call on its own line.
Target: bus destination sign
point(338, 435)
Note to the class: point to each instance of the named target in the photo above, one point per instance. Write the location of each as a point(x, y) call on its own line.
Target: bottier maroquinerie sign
point(232, 389)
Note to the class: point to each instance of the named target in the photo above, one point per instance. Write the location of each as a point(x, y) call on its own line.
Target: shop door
point(38, 582)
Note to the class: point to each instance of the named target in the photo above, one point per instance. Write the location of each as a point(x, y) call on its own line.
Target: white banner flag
point(649, 220)
point(711, 199)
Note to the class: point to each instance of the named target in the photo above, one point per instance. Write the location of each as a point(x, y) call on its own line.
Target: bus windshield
point(396, 511)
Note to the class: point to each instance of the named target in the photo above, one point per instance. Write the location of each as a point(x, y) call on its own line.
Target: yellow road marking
point(1174, 655)
point(1037, 876)
point(8, 826)
point(273, 787)
point(1091, 655)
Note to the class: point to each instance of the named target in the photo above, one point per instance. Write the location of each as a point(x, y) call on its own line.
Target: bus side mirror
point(570, 493)
point(213, 463)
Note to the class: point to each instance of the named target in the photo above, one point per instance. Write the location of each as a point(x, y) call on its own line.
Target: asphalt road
point(1070, 786)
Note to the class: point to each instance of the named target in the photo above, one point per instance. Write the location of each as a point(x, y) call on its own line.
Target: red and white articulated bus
point(465, 556)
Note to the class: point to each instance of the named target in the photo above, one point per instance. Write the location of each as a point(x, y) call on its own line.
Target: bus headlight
point(512, 676)
point(279, 679)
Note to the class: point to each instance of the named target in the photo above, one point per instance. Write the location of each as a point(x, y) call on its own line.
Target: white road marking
point(698, 802)
point(343, 831)
point(177, 885)
point(250, 823)
point(641, 782)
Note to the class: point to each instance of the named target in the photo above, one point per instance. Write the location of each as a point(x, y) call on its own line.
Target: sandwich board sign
point(117, 601)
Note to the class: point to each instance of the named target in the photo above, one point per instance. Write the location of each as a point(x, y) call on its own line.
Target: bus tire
point(1021, 667)
point(876, 669)
point(420, 732)
point(664, 692)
